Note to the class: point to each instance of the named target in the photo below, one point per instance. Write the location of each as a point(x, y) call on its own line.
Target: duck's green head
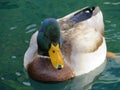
point(49, 40)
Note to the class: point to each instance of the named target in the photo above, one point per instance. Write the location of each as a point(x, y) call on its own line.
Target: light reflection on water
point(31, 28)
point(114, 3)
point(20, 19)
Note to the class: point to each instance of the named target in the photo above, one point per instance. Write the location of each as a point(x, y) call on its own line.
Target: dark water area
point(19, 19)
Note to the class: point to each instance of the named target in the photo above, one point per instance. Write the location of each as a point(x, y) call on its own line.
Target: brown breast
point(42, 70)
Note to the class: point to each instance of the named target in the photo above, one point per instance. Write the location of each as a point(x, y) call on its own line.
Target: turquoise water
point(19, 19)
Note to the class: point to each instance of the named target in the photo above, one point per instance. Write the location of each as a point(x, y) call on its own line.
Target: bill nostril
point(59, 67)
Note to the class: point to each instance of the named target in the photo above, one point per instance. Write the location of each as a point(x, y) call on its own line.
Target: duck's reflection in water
point(83, 82)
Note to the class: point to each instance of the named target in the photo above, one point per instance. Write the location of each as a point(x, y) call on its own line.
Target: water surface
point(19, 19)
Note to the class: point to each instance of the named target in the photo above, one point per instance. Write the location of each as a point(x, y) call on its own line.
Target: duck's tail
point(112, 55)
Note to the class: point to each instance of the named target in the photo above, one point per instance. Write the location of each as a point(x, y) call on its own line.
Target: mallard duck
point(67, 47)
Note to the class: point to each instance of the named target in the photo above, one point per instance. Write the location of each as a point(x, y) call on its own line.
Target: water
point(19, 19)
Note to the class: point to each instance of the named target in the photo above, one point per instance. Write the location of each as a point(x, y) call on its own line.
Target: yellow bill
point(56, 56)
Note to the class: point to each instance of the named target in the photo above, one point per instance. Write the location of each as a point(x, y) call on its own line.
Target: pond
point(19, 19)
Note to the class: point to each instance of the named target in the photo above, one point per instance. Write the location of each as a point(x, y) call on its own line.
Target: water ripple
point(113, 37)
point(107, 21)
point(31, 28)
point(113, 3)
point(8, 5)
point(13, 28)
point(27, 83)
point(109, 30)
point(117, 3)
point(113, 25)
point(2, 78)
point(107, 3)
point(13, 57)
point(18, 73)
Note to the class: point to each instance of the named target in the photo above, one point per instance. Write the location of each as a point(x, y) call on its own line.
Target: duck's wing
point(32, 50)
point(71, 19)
point(87, 17)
